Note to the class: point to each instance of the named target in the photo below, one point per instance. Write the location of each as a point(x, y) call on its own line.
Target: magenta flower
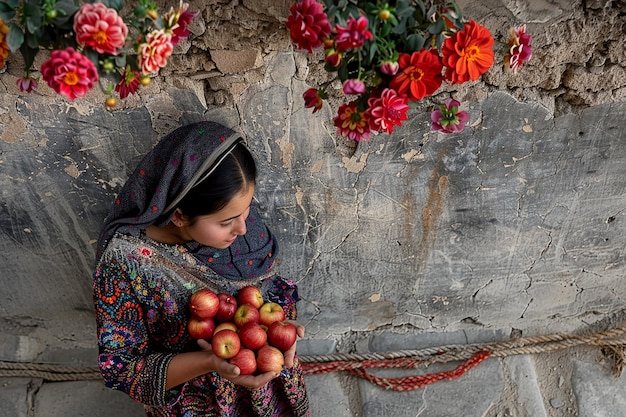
point(178, 21)
point(351, 122)
point(387, 110)
point(389, 67)
point(448, 119)
point(354, 35)
point(26, 84)
point(100, 28)
point(69, 73)
point(314, 98)
point(308, 24)
point(353, 87)
point(520, 50)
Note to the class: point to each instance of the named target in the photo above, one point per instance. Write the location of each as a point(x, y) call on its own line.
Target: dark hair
point(232, 176)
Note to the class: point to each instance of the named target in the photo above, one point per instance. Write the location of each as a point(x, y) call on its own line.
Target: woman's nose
point(240, 226)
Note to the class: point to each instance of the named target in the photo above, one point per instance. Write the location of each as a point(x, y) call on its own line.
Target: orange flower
point(4, 47)
point(468, 53)
point(419, 74)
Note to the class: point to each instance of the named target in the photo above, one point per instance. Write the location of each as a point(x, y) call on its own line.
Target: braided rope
point(358, 364)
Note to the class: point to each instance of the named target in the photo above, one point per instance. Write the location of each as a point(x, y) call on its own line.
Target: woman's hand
point(231, 372)
point(291, 352)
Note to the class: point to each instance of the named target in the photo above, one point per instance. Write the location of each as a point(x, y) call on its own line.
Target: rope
point(612, 340)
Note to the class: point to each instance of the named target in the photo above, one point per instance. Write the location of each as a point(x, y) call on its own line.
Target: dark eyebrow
point(234, 217)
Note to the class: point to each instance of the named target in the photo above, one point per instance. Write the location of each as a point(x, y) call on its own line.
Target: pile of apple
point(246, 330)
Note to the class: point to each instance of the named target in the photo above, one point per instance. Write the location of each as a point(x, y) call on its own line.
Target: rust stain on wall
point(437, 187)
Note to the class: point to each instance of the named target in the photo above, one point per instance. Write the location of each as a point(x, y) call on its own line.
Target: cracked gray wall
point(517, 222)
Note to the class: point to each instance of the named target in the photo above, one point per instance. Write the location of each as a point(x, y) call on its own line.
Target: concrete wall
point(518, 222)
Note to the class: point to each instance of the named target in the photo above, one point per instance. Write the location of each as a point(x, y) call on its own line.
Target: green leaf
point(66, 9)
point(28, 54)
point(92, 55)
point(373, 51)
point(120, 61)
point(437, 27)
point(15, 37)
point(114, 4)
point(32, 41)
point(414, 42)
point(6, 11)
point(33, 17)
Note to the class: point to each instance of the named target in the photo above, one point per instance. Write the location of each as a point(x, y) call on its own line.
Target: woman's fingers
point(254, 381)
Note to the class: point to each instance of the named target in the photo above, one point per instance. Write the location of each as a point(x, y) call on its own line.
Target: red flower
point(69, 73)
point(308, 24)
point(353, 35)
point(26, 84)
point(100, 28)
point(154, 52)
point(177, 21)
point(468, 53)
point(387, 110)
point(351, 122)
point(314, 98)
point(333, 58)
point(419, 74)
point(520, 51)
point(128, 84)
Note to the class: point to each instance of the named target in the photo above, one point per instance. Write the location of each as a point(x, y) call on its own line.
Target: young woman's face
point(219, 230)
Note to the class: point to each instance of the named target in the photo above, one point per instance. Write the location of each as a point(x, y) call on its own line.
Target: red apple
point(200, 328)
point(282, 334)
point(204, 303)
point(268, 358)
point(246, 313)
point(226, 309)
point(271, 312)
point(250, 295)
point(252, 336)
point(245, 361)
point(226, 325)
point(225, 344)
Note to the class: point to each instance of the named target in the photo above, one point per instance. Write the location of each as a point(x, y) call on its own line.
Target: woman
point(183, 221)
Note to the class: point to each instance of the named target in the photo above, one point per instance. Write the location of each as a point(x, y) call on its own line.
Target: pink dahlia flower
point(69, 73)
point(387, 110)
point(351, 122)
point(308, 24)
point(354, 35)
point(353, 87)
point(154, 52)
point(100, 28)
point(448, 119)
point(389, 67)
point(26, 84)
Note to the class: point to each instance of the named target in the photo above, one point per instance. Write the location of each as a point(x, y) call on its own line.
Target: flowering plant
point(91, 43)
point(390, 54)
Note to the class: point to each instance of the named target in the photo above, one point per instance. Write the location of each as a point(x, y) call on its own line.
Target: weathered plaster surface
point(516, 222)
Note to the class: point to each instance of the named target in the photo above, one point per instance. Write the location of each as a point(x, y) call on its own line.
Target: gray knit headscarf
point(176, 164)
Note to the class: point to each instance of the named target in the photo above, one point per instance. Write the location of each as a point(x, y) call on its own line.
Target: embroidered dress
point(142, 288)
